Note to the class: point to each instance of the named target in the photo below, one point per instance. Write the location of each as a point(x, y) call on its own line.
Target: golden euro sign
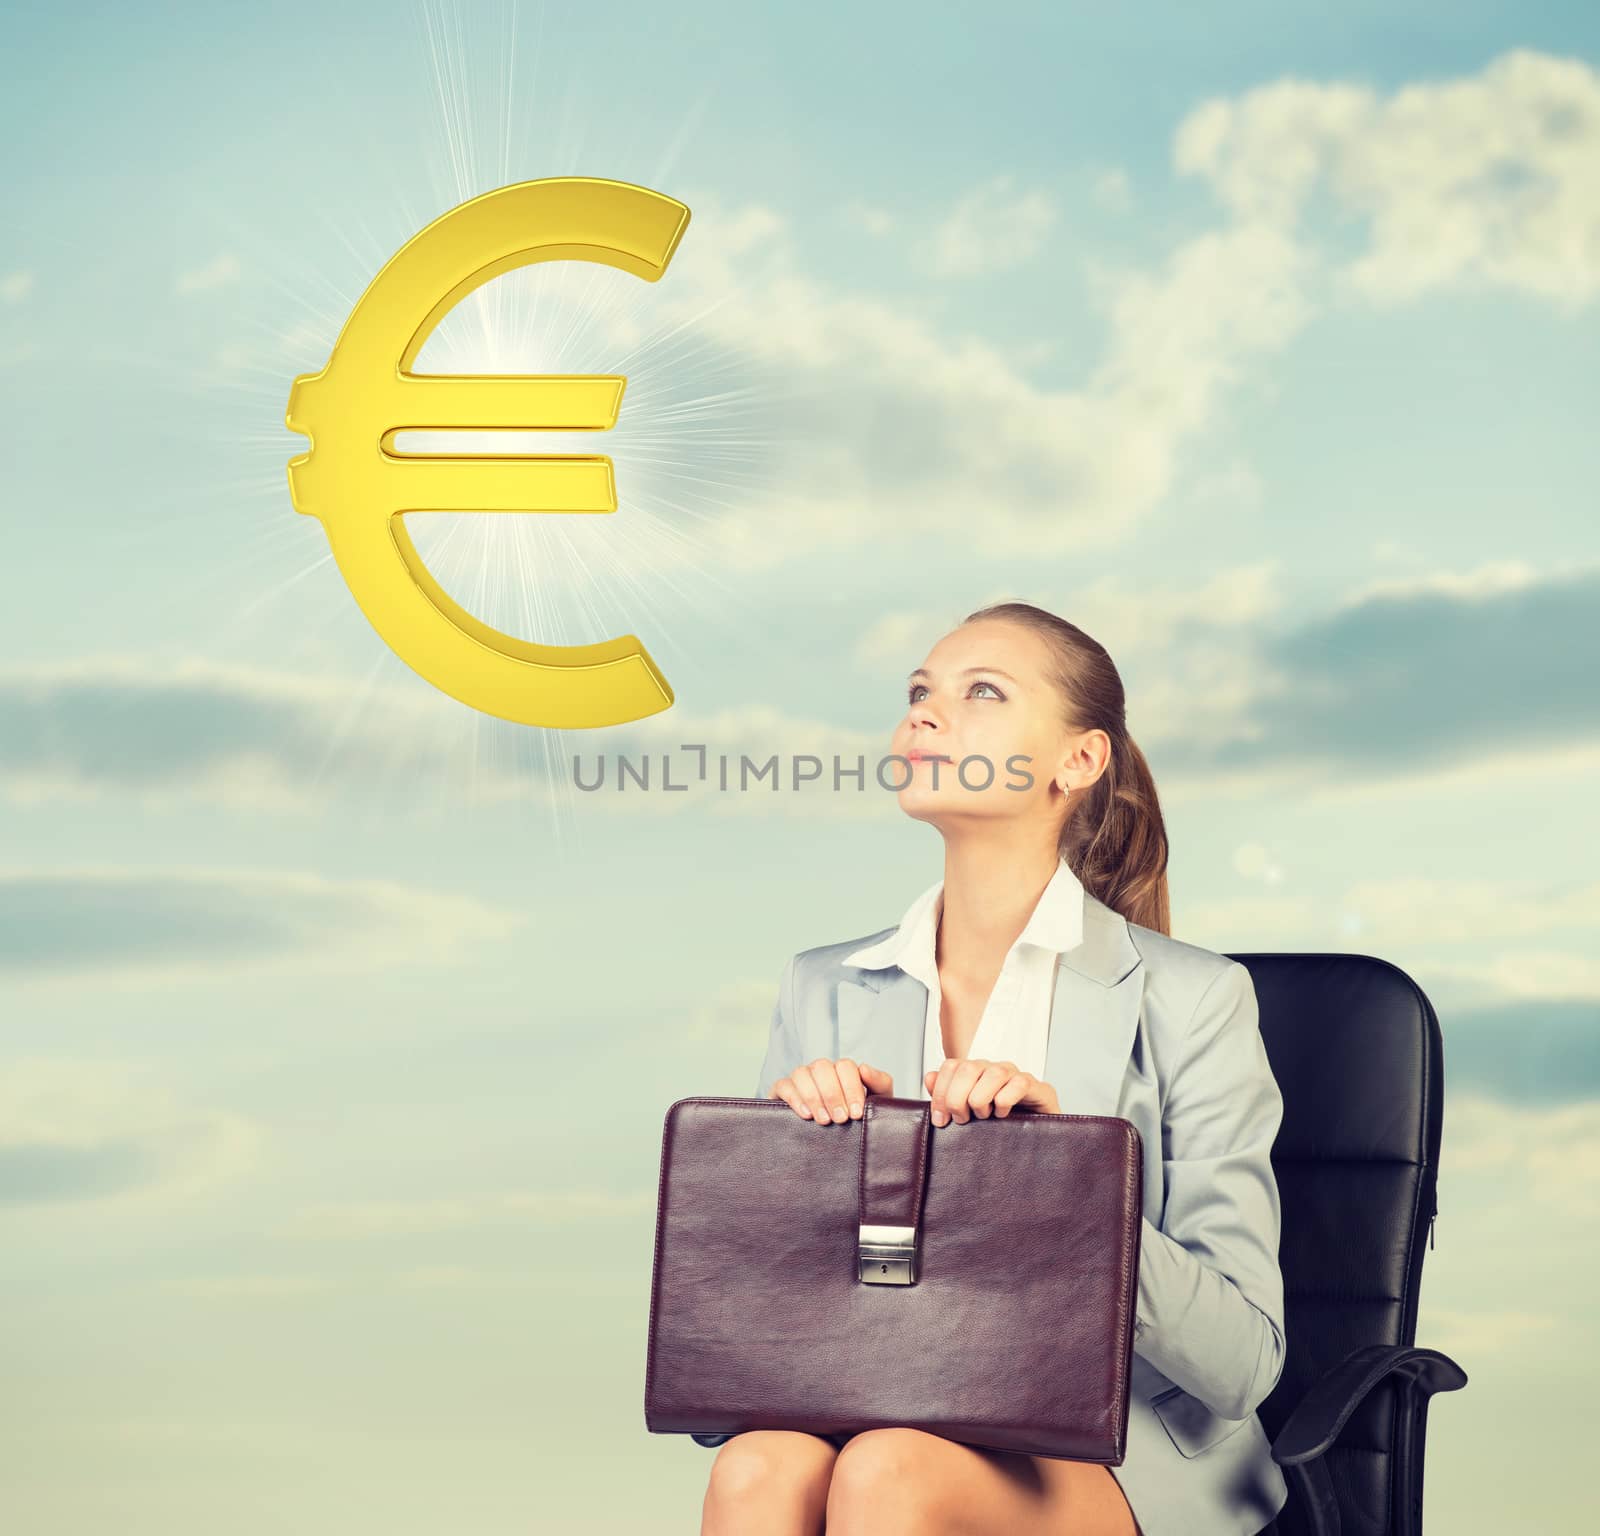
point(360, 488)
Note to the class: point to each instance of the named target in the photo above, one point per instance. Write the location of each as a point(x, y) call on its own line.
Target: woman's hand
point(831, 1091)
point(963, 1087)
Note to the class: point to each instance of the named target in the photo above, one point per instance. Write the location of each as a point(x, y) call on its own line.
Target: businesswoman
point(1038, 975)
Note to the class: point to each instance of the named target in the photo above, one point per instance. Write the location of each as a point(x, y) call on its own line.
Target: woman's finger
point(855, 1096)
point(830, 1105)
point(810, 1094)
point(958, 1090)
point(785, 1089)
point(980, 1097)
point(948, 1094)
point(1031, 1092)
point(877, 1079)
point(1011, 1093)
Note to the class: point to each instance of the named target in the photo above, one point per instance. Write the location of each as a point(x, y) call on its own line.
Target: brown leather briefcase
point(973, 1280)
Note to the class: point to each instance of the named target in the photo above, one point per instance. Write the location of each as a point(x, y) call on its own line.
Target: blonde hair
point(1113, 838)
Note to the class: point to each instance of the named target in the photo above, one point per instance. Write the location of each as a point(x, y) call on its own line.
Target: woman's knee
point(760, 1462)
point(880, 1467)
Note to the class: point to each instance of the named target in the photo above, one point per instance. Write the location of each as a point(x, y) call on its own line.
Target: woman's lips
point(928, 757)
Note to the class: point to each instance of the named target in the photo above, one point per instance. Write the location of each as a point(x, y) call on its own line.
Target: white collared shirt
point(1016, 1019)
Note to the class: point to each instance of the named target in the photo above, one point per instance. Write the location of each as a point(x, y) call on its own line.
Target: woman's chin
point(923, 801)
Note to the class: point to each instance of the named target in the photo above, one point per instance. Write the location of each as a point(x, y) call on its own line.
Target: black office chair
point(1356, 1049)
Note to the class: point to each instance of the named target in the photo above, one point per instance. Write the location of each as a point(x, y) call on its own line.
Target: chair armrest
point(1318, 1417)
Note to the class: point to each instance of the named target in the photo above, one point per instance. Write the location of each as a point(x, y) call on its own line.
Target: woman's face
point(981, 696)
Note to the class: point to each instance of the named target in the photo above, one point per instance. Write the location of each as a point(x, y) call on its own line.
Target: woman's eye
point(911, 695)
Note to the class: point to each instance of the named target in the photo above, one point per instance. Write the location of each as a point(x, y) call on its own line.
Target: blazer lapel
point(882, 1015)
point(1094, 1015)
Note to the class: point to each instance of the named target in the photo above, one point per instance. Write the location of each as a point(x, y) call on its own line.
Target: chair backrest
point(1356, 1048)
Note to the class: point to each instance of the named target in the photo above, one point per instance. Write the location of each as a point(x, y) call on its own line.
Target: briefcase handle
point(895, 1135)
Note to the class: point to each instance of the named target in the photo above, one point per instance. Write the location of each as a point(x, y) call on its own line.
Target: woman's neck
point(989, 895)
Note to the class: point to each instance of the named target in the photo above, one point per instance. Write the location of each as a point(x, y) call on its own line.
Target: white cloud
point(1235, 486)
point(734, 1013)
point(890, 422)
point(1278, 918)
point(235, 357)
point(1488, 772)
point(1112, 189)
point(167, 927)
point(1487, 580)
point(1469, 1335)
point(225, 269)
point(1477, 912)
point(255, 1288)
point(16, 286)
point(464, 1277)
point(249, 737)
point(74, 1131)
point(1525, 974)
point(1512, 928)
point(400, 1218)
point(991, 229)
point(1486, 179)
point(1183, 334)
point(876, 221)
point(1393, 550)
point(1549, 1156)
point(250, 1287)
point(895, 421)
point(1255, 862)
point(895, 641)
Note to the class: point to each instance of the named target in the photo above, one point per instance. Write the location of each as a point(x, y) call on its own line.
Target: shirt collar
point(1056, 924)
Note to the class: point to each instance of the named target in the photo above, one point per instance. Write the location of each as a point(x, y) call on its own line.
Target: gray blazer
point(1164, 1034)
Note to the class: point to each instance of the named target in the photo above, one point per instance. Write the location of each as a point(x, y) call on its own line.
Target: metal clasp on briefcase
point(886, 1255)
point(895, 1140)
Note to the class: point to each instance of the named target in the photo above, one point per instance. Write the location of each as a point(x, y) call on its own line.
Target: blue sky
point(1259, 344)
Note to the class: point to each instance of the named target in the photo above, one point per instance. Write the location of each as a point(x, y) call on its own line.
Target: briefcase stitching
point(861, 1173)
point(1134, 1174)
point(655, 1263)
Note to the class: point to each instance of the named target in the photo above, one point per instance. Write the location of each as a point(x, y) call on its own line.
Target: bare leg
point(906, 1482)
point(769, 1482)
